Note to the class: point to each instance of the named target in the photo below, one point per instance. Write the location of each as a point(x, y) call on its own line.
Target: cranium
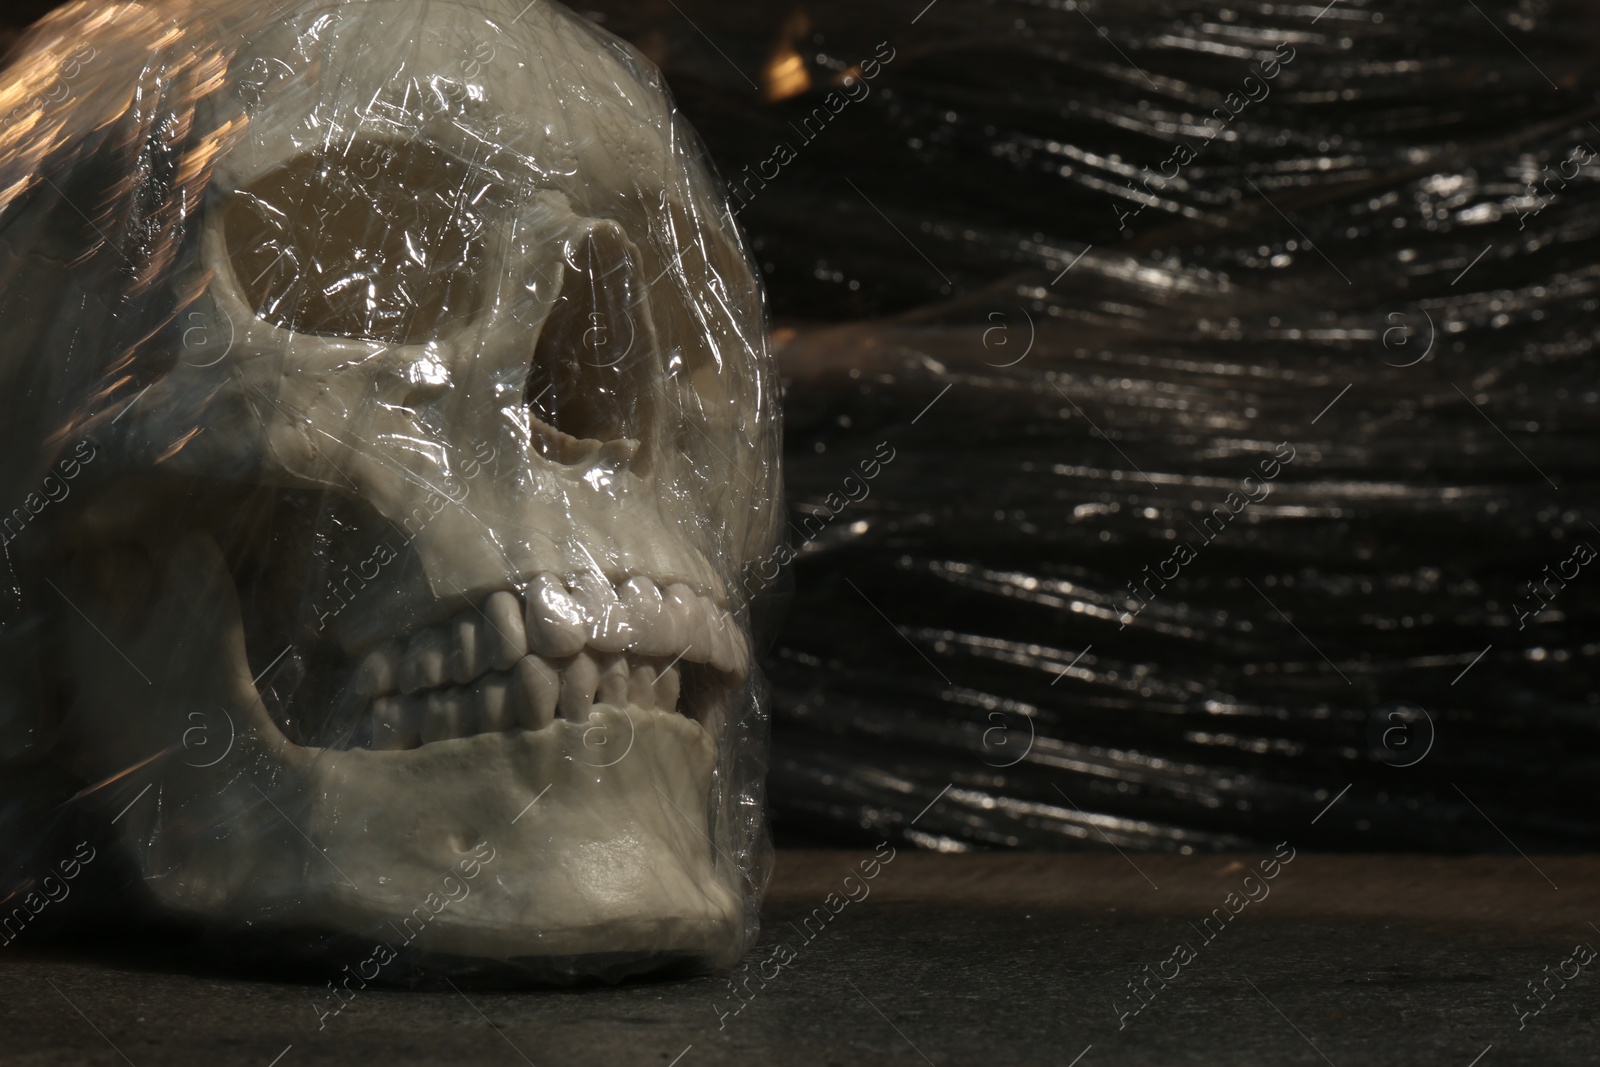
point(429, 426)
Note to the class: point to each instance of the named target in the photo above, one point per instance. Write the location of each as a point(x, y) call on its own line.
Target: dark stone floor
point(993, 959)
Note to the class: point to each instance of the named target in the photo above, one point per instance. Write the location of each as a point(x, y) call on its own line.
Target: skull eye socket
point(382, 242)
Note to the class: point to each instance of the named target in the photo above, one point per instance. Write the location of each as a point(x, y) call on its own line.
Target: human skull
point(424, 429)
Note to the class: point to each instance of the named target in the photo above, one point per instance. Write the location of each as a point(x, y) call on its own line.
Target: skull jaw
point(581, 841)
point(498, 846)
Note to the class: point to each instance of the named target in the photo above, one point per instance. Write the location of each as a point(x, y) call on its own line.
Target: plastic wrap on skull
point(390, 458)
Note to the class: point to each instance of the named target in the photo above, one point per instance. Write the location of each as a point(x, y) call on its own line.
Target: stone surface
point(996, 958)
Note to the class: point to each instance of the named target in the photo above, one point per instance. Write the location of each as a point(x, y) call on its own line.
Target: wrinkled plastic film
point(1396, 617)
point(1271, 204)
point(393, 448)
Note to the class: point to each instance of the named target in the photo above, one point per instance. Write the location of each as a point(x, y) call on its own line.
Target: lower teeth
point(526, 697)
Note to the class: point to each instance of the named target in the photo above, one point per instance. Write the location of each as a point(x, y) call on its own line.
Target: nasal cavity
point(592, 386)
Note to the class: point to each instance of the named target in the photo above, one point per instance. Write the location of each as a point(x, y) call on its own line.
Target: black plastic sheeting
point(1374, 252)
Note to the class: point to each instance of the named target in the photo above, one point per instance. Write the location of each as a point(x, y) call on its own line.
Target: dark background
point(1362, 635)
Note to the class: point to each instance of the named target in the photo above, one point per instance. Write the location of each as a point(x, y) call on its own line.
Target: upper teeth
point(506, 645)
